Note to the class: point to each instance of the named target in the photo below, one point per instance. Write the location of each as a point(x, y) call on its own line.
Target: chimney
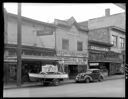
point(107, 12)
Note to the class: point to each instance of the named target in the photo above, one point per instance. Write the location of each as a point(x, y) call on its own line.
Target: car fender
point(102, 76)
point(87, 76)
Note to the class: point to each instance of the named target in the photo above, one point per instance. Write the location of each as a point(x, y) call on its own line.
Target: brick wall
point(101, 35)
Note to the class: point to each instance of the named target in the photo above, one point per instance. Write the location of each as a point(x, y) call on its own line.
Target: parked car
point(89, 76)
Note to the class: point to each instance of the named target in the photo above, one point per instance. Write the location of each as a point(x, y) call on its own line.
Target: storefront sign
point(93, 64)
point(71, 53)
point(73, 61)
point(107, 56)
point(98, 48)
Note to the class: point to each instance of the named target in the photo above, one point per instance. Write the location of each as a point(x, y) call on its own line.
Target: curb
point(64, 82)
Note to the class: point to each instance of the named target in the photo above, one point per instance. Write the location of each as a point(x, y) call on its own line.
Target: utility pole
point(19, 48)
point(5, 26)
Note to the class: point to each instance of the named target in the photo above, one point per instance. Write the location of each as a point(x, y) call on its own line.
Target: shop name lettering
point(103, 56)
point(98, 48)
point(67, 53)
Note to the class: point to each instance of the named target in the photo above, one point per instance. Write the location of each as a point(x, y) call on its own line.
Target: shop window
point(79, 46)
point(65, 44)
point(37, 53)
point(28, 52)
point(11, 52)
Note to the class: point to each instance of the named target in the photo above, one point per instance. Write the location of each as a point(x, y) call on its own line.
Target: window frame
point(79, 48)
point(115, 40)
point(63, 45)
point(122, 42)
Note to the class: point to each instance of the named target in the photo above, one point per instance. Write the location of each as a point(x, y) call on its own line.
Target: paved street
point(109, 88)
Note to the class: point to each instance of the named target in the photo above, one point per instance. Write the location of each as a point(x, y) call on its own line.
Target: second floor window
point(65, 44)
point(122, 42)
point(114, 40)
point(79, 46)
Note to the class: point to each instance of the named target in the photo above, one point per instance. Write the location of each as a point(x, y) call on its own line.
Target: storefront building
point(71, 44)
point(34, 52)
point(32, 60)
point(109, 29)
point(102, 58)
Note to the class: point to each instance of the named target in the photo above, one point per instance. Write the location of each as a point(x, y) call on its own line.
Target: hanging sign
point(49, 68)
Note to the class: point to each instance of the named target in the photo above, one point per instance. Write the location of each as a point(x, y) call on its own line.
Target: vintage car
point(89, 76)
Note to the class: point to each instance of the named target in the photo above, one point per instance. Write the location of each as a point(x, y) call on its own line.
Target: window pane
point(79, 46)
point(114, 40)
point(65, 44)
point(122, 42)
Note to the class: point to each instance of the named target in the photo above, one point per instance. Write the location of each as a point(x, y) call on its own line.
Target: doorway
point(72, 71)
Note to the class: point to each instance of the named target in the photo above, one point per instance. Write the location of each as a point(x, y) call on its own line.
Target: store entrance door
point(10, 73)
point(73, 71)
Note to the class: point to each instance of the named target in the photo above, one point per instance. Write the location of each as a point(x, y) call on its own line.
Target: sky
point(47, 12)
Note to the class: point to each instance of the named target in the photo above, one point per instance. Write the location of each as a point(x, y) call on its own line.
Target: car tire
point(77, 81)
point(100, 78)
point(87, 80)
point(42, 82)
point(56, 82)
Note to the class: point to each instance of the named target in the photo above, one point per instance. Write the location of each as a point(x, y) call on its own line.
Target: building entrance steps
point(68, 81)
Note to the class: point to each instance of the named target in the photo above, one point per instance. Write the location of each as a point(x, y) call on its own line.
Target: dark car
point(89, 76)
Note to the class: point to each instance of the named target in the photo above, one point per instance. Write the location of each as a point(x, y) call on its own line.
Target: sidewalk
point(12, 86)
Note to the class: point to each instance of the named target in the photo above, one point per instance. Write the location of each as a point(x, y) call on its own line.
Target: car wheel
point(87, 80)
point(42, 82)
point(77, 81)
point(56, 82)
point(100, 78)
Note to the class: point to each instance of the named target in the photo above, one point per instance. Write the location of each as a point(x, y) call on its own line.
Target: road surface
point(109, 88)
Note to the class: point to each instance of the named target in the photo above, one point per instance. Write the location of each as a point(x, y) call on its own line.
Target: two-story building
point(34, 52)
point(100, 54)
point(109, 29)
point(71, 44)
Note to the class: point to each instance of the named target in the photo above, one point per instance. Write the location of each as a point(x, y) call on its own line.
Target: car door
point(95, 74)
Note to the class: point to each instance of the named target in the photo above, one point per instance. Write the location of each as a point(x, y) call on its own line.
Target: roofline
point(106, 16)
point(68, 25)
point(32, 20)
point(116, 27)
point(101, 17)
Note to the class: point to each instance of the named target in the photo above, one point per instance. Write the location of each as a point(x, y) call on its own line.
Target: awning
point(39, 58)
point(110, 61)
point(10, 60)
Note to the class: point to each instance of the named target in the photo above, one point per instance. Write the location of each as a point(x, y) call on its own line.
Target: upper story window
point(122, 42)
point(11, 52)
point(65, 44)
point(114, 40)
point(79, 46)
